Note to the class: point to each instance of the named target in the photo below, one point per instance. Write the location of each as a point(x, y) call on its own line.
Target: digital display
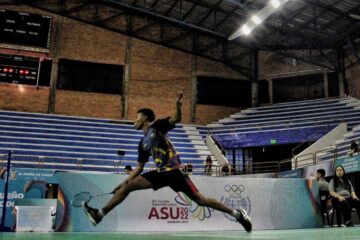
point(18, 69)
point(26, 31)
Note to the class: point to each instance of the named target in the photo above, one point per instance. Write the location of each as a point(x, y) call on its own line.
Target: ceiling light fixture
point(245, 29)
point(256, 19)
point(275, 3)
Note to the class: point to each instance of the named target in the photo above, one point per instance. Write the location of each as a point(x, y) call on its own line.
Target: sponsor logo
point(236, 198)
point(168, 211)
point(198, 212)
point(179, 211)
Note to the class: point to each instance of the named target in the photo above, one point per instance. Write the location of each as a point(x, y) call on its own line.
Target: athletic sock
point(101, 213)
point(235, 213)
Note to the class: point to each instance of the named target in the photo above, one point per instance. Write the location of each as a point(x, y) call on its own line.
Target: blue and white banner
point(23, 183)
point(271, 203)
point(309, 172)
point(350, 164)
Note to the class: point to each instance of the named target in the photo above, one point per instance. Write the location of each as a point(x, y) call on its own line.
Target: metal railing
point(313, 158)
point(117, 166)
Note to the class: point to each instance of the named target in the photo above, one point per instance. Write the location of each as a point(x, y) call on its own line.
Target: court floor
point(302, 234)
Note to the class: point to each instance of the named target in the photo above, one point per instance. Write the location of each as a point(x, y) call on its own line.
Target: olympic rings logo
point(237, 189)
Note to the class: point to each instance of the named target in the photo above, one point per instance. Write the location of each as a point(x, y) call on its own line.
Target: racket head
point(78, 198)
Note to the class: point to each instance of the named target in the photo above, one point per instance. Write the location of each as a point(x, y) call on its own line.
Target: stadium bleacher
point(88, 144)
point(292, 122)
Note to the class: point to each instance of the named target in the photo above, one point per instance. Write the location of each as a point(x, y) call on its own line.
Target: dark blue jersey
point(156, 143)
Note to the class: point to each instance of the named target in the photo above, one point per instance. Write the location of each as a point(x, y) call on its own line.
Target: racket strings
point(79, 198)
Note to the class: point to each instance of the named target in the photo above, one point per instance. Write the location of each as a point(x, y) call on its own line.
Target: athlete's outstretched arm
point(139, 169)
point(178, 114)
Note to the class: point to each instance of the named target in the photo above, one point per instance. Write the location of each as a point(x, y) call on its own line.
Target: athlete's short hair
point(148, 113)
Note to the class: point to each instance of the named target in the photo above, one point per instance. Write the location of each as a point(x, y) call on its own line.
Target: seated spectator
point(128, 169)
point(208, 165)
point(353, 148)
point(225, 170)
point(189, 168)
point(320, 177)
point(324, 194)
point(344, 197)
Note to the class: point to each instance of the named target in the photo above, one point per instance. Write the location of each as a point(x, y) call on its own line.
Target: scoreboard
point(19, 69)
point(25, 31)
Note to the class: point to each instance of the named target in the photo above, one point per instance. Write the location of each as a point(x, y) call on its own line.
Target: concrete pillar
point(255, 78)
point(341, 84)
point(193, 88)
point(55, 66)
point(126, 82)
point(271, 95)
point(326, 84)
point(341, 72)
point(255, 94)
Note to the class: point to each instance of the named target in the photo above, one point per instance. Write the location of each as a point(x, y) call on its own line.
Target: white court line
point(245, 236)
point(261, 236)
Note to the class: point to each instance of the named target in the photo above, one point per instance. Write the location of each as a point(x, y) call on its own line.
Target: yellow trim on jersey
point(160, 150)
point(158, 160)
point(166, 169)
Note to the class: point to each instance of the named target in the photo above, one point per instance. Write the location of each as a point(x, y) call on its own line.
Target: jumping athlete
point(155, 143)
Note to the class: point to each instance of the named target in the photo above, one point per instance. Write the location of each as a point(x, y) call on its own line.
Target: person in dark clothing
point(208, 165)
point(344, 196)
point(156, 143)
point(353, 148)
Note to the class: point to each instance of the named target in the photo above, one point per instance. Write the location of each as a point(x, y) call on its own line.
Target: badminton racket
point(84, 197)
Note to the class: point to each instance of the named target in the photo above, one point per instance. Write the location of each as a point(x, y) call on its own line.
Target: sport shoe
point(349, 224)
point(91, 213)
point(244, 219)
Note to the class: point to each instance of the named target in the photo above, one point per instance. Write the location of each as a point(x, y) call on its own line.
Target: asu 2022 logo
point(235, 198)
point(179, 211)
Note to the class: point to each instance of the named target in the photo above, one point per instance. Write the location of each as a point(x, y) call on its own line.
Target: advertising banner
point(271, 203)
point(309, 172)
point(23, 183)
point(350, 164)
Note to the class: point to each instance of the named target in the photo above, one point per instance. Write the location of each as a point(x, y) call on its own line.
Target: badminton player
point(155, 143)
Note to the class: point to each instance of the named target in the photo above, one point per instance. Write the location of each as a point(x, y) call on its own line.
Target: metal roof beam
point(190, 10)
point(153, 5)
point(143, 12)
point(171, 8)
point(329, 8)
point(217, 25)
point(77, 8)
point(332, 22)
point(112, 17)
point(144, 28)
point(303, 59)
point(176, 38)
point(212, 9)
